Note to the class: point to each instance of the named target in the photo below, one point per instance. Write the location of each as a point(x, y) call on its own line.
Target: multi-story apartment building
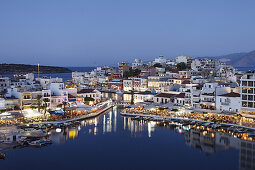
point(123, 67)
point(247, 93)
point(140, 83)
point(4, 83)
point(195, 95)
point(184, 59)
point(127, 84)
point(157, 83)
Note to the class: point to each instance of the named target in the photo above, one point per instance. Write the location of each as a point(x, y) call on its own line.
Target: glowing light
point(58, 130)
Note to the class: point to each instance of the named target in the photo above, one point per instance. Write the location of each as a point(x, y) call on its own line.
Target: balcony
point(225, 103)
point(208, 94)
point(208, 101)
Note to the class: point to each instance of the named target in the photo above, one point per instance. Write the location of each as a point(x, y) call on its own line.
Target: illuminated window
point(244, 90)
point(250, 90)
point(244, 104)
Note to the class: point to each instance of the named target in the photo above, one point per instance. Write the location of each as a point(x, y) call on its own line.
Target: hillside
point(23, 68)
point(239, 59)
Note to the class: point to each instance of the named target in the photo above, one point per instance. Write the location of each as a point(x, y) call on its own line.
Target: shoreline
point(74, 119)
point(179, 118)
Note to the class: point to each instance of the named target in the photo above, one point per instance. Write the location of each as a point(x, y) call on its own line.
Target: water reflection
point(206, 140)
point(212, 142)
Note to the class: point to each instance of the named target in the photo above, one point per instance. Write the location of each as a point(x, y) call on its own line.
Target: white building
point(45, 81)
point(160, 60)
point(143, 97)
point(211, 90)
point(137, 63)
point(95, 94)
point(127, 85)
point(229, 102)
point(184, 59)
point(2, 103)
point(164, 98)
point(58, 94)
point(195, 65)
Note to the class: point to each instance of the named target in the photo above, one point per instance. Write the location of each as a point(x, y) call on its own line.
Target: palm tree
point(45, 100)
point(38, 97)
point(132, 97)
point(132, 94)
point(64, 104)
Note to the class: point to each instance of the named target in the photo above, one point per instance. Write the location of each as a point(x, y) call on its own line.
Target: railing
point(225, 103)
point(208, 101)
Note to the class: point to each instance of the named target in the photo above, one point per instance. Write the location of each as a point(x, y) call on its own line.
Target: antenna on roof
point(38, 69)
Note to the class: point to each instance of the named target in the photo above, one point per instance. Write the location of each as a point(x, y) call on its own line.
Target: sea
point(64, 76)
point(68, 76)
point(113, 142)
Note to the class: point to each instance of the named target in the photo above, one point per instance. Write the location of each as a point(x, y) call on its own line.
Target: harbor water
point(111, 141)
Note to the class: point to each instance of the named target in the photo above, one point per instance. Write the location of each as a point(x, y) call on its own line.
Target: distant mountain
point(239, 59)
point(24, 68)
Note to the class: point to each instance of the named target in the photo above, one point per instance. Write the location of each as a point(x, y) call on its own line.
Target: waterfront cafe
point(180, 112)
point(80, 109)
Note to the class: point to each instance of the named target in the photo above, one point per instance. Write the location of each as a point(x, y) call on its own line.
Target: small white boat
point(41, 142)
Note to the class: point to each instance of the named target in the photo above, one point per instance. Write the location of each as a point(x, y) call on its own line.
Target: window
point(244, 104)
point(244, 90)
point(250, 83)
point(244, 97)
point(250, 97)
point(244, 83)
point(250, 104)
point(250, 90)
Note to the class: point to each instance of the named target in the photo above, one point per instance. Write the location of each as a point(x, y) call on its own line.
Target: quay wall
point(77, 119)
point(176, 118)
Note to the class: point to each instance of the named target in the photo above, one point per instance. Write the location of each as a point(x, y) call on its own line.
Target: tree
point(131, 73)
point(132, 97)
point(181, 66)
point(64, 104)
point(45, 100)
point(39, 102)
point(157, 65)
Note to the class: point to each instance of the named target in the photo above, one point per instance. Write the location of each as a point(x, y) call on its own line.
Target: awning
point(57, 112)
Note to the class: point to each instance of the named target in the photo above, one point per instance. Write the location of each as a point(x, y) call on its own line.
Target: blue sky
point(99, 32)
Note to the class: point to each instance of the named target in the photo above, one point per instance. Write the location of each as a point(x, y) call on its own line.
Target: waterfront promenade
point(91, 115)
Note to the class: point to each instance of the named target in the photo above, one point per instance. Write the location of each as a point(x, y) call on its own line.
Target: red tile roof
point(86, 91)
point(144, 92)
point(166, 95)
point(181, 95)
point(232, 94)
point(186, 82)
point(71, 96)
